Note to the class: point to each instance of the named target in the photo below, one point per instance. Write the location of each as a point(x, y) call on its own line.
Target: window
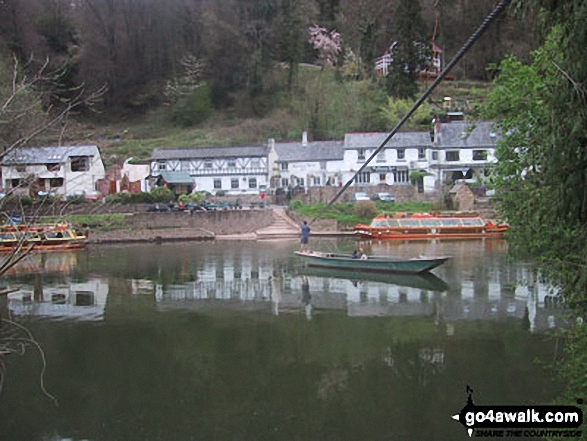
point(234, 183)
point(322, 165)
point(252, 182)
point(21, 168)
point(284, 166)
point(161, 165)
point(382, 177)
point(284, 182)
point(316, 180)
point(55, 182)
point(15, 183)
point(400, 176)
point(479, 155)
point(452, 155)
point(255, 162)
point(363, 178)
point(80, 163)
point(231, 162)
point(217, 183)
point(435, 156)
point(421, 153)
point(361, 154)
point(207, 163)
point(381, 156)
point(401, 154)
point(53, 167)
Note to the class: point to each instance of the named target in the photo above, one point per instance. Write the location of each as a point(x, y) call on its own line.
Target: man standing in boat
point(305, 235)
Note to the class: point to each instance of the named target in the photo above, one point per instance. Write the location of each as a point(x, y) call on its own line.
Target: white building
point(231, 170)
point(462, 150)
point(63, 170)
point(404, 153)
point(306, 164)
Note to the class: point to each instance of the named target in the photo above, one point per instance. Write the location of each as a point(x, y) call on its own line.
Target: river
point(238, 341)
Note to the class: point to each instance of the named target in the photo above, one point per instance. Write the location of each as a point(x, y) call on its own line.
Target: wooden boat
point(55, 237)
point(425, 281)
point(430, 226)
point(415, 265)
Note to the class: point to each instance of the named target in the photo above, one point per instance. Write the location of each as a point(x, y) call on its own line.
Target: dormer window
point(361, 154)
point(401, 154)
point(207, 163)
point(53, 167)
point(80, 163)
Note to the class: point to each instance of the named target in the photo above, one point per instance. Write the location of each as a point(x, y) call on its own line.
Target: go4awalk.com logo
point(520, 421)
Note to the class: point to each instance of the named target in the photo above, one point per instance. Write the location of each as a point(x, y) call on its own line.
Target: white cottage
point(231, 170)
point(306, 164)
point(404, 153)
point(65, 170)
point(462, 150)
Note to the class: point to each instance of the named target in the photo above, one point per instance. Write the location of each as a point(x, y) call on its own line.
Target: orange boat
point(56, 237)
point(403, 226)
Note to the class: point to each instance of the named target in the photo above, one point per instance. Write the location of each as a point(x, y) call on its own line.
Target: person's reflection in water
point(306, 297)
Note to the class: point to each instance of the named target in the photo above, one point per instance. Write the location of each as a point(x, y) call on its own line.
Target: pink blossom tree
point(327, 44)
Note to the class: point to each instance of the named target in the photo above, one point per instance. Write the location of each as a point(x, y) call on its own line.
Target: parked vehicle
point(159, 208)
point(384, 197)
point(361, 196)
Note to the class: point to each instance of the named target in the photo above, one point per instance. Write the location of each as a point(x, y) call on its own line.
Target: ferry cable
point(474, 37)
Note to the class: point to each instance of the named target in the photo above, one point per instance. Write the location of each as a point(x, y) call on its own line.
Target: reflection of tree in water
point(414, 363)
point(15, 339)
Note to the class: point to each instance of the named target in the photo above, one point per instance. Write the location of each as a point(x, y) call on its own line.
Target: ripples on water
point(240, 341)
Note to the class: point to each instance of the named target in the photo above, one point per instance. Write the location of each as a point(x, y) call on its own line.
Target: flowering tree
point(327, 44)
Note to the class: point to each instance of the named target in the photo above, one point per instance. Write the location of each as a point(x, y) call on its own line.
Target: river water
point(238, 341)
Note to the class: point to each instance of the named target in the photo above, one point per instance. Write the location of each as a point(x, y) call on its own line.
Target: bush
point(367, 209)
point(295, 205)
point(162, 194)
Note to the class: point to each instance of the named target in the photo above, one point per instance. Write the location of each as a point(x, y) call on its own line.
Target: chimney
point(437, 130)
point(304, 138)
point(271, 143)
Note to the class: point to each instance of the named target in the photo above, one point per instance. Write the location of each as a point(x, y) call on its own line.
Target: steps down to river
point(281, 228)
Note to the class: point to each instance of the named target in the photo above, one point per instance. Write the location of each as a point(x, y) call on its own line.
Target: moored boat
point(431, 226)
point(56, 237)
point(415, 265)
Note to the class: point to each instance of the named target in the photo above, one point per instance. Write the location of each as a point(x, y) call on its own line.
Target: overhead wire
point(466, 46)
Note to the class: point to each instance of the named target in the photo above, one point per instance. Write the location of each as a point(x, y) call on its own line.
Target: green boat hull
point(416, 265)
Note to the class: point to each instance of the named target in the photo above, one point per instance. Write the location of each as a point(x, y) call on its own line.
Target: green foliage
point(396, 109)
point(130, 198)
point(162, 194)
point(347, 213)
point(194, 108)
point(540, 176)
point(192, 197)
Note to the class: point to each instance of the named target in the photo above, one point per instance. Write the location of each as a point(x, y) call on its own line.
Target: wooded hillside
point(136, 46)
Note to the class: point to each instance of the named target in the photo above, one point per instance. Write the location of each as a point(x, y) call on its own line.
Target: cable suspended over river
point(474, 37)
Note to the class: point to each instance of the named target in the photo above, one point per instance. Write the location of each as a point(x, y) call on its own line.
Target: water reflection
point(477, 284)
point(239, 341)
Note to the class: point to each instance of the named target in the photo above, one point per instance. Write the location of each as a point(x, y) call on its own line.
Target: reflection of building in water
point(249, 284)
point(79, 300)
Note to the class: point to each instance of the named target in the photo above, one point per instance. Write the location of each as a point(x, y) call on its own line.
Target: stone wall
point(218, 222)
point(402, 193)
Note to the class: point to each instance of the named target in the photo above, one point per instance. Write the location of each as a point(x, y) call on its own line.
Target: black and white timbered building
point(232, 170)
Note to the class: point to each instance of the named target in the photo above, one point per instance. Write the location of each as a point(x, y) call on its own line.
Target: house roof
point(210, 152)
point(48, 155)
point(311, 152)
point(456, 134)
point(374, 140)
point(177, 178)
